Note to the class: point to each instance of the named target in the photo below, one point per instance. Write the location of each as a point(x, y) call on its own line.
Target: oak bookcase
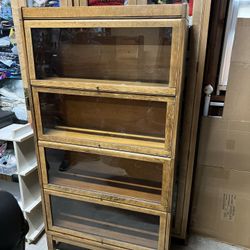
point(106, 88)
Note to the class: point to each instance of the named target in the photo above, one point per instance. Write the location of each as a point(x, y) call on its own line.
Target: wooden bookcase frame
point(114, 244)
point(56, 237)
point(113, 14)
point(168, 11)
point(197, 52)
point(167, 176)
point(198, 41)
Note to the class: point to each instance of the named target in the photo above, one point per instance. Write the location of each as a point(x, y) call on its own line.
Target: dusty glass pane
point(114, 117)
point(127, 177)
point(112, 223)
point(125, 54)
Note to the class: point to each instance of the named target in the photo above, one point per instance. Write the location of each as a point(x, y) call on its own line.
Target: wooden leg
point(50, 242)
point(168, 238)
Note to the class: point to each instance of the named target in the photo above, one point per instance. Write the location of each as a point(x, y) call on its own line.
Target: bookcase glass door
point(116, 176)
point(109, 117)
point(109, 222)
point(119, 54)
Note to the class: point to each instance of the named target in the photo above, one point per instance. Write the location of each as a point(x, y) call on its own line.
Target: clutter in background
point(9, 62)
point(164, 1)
point(106, 2)
point(6, 118)
point(191, 3)
point(125, 2)
point(12, 98)
point(7, 160)
point(43, 3)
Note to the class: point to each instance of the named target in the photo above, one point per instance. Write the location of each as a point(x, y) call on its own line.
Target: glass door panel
point(107, 117)
point(129, 178)
point(121, 54)
point(105, 222)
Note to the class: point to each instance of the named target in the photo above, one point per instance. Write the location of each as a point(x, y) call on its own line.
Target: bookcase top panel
point(134, 11)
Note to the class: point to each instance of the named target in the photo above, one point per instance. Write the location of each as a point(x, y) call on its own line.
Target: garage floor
point(195, 243)
point(201, 243)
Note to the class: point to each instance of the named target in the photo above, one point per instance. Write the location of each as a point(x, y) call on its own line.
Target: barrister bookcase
point(106, 88)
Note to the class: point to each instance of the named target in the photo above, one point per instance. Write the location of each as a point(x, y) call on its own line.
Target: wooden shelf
point(109, 190)
point(110, 134)
point(104, 141)
point(107, 86)
point(106, 138)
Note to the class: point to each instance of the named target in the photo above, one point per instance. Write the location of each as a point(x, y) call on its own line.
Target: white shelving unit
point(27, 191)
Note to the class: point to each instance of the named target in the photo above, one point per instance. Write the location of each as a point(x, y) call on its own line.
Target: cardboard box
point(221, 205)
point(224, 143)
point(241, 47)
point(237, 101)
point(212, 141)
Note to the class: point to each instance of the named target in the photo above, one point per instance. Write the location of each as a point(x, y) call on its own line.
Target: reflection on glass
point(124, 118)
point(138, 179)
point(108, 222)
point(126, 54)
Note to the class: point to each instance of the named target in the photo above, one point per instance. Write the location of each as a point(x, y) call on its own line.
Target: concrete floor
point(195, 243)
